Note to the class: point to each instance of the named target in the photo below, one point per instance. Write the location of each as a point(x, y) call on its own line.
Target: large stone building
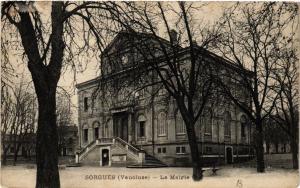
point(136, 128)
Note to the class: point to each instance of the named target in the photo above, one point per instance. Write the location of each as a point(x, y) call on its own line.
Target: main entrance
point(105, 157)
point(121, 125)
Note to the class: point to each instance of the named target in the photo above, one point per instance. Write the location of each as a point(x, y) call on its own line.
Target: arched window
point(243, 125)
point(96, 130)
point(207, 121)
point(142, 126)
point(227, 123)
point(85, 133)
point(179, 124)
point(162, 124)
point(70, 140)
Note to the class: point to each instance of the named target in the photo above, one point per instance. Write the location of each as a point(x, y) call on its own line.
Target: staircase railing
point(127, 145)
point(91, 145)
point(84, 151)
point(133, 151)
point(138, 154)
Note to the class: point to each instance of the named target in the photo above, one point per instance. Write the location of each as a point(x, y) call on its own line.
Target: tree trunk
point(47, 139)
point(4, 155)
point(45, 77)
point(15, 157)
point(294, 149)
point(268, 147)
point(276, 147)
point(196, 160)
point(16, 154)
point(260, 164)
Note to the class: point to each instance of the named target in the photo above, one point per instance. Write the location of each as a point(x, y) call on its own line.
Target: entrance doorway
point(121, 126)
point(229, 154)
point(105, 157)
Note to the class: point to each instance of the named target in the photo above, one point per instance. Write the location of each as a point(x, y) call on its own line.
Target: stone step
point(73, 165)
point(146, 165)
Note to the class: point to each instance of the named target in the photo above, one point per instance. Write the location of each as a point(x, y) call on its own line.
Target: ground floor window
point(162, 124)
point(180, 150)
point(208, 149)
point(161, 150)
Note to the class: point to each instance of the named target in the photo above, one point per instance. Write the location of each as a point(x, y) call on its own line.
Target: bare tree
point(44, 42)
point(7, 120)
point(18, 112)
point(64, 117)
point(286, 109)
point(274, 135)
point(157, 62)
point(252, 35)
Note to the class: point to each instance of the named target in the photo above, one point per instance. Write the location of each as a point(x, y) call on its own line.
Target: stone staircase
point(135, 158)
point(149, 162)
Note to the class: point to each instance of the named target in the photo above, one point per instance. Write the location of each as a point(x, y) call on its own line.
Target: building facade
point(126, 126)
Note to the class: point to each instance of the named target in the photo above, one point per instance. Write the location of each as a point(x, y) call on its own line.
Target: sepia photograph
point(146, 94)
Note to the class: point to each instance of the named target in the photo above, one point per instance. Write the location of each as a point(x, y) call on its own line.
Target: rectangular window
point(243, 134)
point(164, 150)
point(182, 149)
point(158, 150)
point(85, 104)
point(208, 149)
point(12, 150)
point(85, 135)
point(142, 129)
point(96, 133)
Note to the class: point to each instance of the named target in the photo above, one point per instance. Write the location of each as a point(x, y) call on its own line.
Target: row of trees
point(19, 119)
point(18, 116)
point(254, 40)
point(263, 41)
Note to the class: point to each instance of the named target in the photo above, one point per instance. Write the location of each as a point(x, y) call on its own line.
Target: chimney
point(173, 36)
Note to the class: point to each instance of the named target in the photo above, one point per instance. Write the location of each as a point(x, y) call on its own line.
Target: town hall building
point(120, 125)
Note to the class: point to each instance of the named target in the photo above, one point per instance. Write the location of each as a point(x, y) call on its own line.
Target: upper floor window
point(142, 126)
point(162, 124)
point(243, 125)
point(142, 129)
point(207, 121)
point(85, 135)
point(70, 140)
point(85, 104)
point(179, 124)
point(96, 132)
point(227, 123)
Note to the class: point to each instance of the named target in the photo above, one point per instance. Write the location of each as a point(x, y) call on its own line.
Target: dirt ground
point(96, 177)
